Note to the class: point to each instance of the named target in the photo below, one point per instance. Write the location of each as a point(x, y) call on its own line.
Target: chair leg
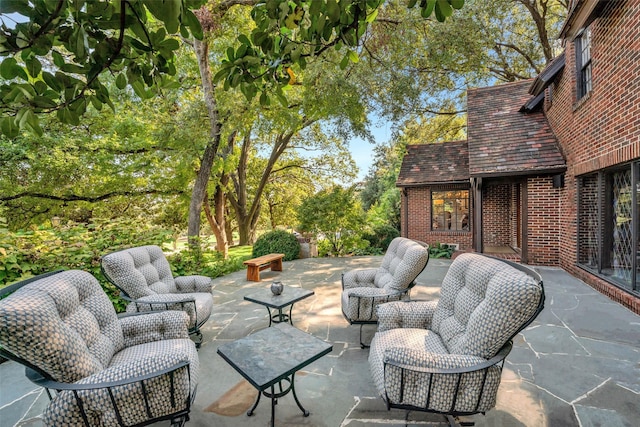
point(455, 422)
point(199, 338)
point(179, 421)
point(362, 345)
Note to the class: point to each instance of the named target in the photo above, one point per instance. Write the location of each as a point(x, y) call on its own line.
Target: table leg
point(295, 396)
point(273, 407)
point(255, 405)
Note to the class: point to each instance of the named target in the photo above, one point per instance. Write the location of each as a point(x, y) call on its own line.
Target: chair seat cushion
point(151, 350)
point(197, 317)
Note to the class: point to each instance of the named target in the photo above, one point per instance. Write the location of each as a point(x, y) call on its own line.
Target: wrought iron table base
point(274, 396)
point(280, 317)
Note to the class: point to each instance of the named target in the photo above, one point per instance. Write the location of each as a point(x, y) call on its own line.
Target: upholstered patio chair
point(144, 277)
point(97, 368)
point(446, 356)
point(364, 289)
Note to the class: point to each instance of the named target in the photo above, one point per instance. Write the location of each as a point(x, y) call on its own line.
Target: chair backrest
point(484, 302)
point(62, 325)
point(140, 271)
point(404, 260)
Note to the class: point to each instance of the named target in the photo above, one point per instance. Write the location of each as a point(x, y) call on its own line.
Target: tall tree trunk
point(217, 222)
point(201, 49)
point(248, 216)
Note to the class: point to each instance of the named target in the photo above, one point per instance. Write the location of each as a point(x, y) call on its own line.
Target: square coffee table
point(270, 358)
point(288, 297)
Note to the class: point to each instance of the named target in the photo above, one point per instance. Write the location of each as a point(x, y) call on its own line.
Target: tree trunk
point(217, 222)
point(248, 216)
point(200, 186)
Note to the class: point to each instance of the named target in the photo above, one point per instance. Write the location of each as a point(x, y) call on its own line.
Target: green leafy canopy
point(56, 51)
point(289, 32)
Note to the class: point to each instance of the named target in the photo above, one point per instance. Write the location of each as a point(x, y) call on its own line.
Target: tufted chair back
point(484, 302)
point(140, 272)
point(401, 264)
point(63, 324)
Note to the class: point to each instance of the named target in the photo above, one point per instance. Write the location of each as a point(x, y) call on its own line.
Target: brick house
point(552, 161)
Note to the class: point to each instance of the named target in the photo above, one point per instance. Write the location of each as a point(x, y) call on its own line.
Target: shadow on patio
point(578, 364)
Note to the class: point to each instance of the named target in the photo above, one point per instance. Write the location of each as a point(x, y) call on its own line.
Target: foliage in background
point(42, 249)
point(277, 241)
point(335, 217)
point(440, 250)
point(380, 238)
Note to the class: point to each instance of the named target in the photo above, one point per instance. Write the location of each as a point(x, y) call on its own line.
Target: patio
point(577, 365)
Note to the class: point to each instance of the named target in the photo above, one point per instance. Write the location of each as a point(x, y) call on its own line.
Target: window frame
point(597, 258)
point(584, 75)
point(457, 217)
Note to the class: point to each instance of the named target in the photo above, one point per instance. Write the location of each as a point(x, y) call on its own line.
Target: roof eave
point(422, 184)
point(579, 17)
point(527, 172)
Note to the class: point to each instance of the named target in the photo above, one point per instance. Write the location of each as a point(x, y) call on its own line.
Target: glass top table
point(288, 297)
point(270, 358)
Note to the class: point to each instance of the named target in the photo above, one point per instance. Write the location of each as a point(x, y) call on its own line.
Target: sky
point(363, 151)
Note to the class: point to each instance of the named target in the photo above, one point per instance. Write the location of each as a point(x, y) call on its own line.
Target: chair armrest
point(405, 314)
point(434, 363)
point(154, 326)
point(359, 278)
point(92, 383)
point(194, 283)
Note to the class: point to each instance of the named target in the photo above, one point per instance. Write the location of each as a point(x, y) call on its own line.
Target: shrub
point(438, 250)
point(381, 237)
point(277, 241)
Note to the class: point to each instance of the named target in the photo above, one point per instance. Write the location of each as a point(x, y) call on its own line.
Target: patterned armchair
point(103, 370)
point(364, 289)
point(144, 277)
point(446, 356)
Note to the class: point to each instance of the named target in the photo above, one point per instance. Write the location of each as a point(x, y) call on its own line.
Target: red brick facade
point(603, 128)
point(417, 205)
point(594, 134)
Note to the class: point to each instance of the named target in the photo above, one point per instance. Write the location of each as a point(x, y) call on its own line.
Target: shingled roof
point(504, 141)
point(440, 163)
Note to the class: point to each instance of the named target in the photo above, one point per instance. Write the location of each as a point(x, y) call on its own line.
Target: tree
point(334, 214)
point(56, 53)
point(79, 41)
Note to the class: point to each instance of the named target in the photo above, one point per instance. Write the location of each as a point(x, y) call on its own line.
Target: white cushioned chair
point(446, 356)
point(144, 277)
point(104, 370)
point(364, 289)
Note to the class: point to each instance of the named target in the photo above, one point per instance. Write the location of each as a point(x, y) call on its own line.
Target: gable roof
point(439, 163)
point(504, 141)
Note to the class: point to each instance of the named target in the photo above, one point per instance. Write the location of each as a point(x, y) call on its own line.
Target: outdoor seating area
point(568, 367)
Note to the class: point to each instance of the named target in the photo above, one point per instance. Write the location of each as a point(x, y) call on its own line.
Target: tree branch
point(80, 198)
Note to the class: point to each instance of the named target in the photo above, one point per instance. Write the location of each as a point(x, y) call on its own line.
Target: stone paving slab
point(578, 364)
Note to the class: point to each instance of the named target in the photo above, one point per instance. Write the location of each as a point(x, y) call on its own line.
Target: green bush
point(27, 253)
point(381, 237)
point(438, 250)
point(277, 241)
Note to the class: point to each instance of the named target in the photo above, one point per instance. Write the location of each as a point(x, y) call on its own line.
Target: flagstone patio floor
point(578, 364)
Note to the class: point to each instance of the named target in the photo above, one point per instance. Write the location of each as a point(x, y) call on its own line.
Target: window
point(608, 219)
point(450, 210)
point(583, 62)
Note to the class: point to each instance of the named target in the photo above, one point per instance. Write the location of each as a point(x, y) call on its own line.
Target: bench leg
point(276, 265)
point(253, 273)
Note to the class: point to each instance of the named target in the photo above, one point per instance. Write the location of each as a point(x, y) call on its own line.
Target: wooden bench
point(256, 265)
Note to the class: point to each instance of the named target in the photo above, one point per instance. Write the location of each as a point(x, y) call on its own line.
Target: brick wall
point(603, 128)
point(418, 208)
point(496, 215)
point(543, 215)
